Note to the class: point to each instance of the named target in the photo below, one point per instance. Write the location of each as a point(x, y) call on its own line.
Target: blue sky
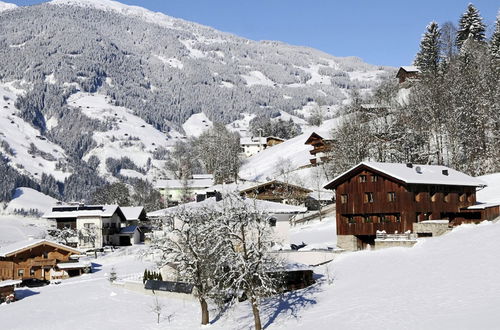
point(384, 32)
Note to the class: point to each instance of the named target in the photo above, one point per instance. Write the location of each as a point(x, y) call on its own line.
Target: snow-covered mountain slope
point(27, 199)
point(127, 136)
point(171, 76)
point(29, 152)
point(6, 6)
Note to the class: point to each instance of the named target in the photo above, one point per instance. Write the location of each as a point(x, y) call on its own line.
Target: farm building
point(407, 73)
point(41, 259)
point(396, 198)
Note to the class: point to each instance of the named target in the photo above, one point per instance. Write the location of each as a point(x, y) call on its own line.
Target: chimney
point(445, 172)
point(409, 165)
point(418, 169)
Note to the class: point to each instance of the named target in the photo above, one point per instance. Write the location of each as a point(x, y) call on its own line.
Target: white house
point(174, 191)
point(279, 214)
point(96, 225)
point(253, 145)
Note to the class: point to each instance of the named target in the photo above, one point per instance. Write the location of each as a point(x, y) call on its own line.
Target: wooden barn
point(407, 72)
point(39, 259)
point(392, 197)
point(277, 191)
point(321, 147)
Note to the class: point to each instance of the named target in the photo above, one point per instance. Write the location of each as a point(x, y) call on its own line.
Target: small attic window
point(362, 178)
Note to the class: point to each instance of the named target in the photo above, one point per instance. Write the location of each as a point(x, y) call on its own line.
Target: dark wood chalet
point(407, 72)
point(373, 197)
point(40, 259)
point(277, 191)
point(321, 147)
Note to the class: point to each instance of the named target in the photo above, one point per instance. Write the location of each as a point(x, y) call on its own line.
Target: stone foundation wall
point(436, 229)
point(347, 242)
point(383, 244)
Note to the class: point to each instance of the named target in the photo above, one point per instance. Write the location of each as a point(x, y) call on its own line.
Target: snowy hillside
point(28, 199)
point(285, 157)
point(29, 151)
point(164, 78)
point(6, 6)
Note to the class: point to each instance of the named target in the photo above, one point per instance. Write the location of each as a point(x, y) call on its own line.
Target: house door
point(124, 240)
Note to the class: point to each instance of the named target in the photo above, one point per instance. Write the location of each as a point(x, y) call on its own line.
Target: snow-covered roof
point(73, 265)
point(103, 211)
point(324, 195)
point(212, 203)
point(13, 248)
point(415, 174)
point(253, 141)
point(482, 206)
point(179, 184)
point(132, 212)
point(271, 182)
point(410, 68)
point(9, 283)
point(128, 230)
point(230, 187)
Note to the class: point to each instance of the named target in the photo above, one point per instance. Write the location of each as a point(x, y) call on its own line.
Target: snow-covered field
point(316, 234)
point(16, 228)
point(448, 282)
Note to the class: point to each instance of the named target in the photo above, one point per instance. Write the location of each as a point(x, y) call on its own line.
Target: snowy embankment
point(449, 282)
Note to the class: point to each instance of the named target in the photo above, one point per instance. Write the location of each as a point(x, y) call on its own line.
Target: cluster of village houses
point(376, 204)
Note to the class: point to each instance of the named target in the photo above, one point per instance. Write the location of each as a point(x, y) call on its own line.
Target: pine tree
point(427, 58)
point(470, 26)
point(495, 44)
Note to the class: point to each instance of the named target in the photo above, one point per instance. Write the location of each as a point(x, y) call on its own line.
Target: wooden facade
point(35, 260)
point(368, 200)
point(406, 73)
point(321, 147)
point(278, 191)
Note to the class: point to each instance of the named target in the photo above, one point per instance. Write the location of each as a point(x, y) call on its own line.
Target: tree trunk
point(204, 311)
point(256, 314)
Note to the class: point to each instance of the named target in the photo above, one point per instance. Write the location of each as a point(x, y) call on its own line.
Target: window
point(418, 197)
point(88, 225)
point(391, 196)
point(446, 198)
point(374, 178)
point(343, 198)
point(272, 222)
point(433, 196)
point(350, 219)
point(367, 219)
point(362, 178)
point(32, 272)
point(368, 197)
point(45, 255)
point(20, 272)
